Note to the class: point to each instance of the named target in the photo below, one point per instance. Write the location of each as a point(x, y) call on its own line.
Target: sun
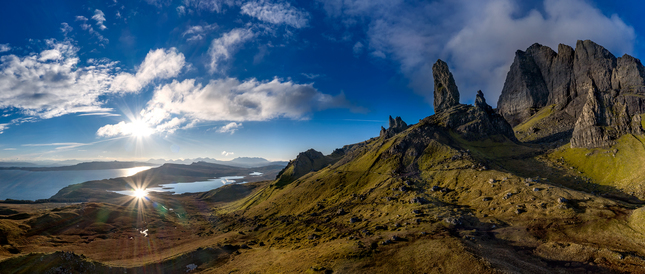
point(140, 193)
point(140, 128)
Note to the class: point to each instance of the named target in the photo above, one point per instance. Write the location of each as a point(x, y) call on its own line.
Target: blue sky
point(134, 80)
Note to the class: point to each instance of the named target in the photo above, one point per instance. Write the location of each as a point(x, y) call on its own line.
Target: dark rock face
point(395, 126)
point(538, 77)
point(446, 93)
point(587, 131)
point(595, 96)
point(478, 122)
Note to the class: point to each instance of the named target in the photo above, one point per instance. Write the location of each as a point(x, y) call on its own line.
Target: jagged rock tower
point(446, 93)
point(595, 97)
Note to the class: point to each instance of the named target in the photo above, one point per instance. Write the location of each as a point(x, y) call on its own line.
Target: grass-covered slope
point(428, 180)
point(621, 165)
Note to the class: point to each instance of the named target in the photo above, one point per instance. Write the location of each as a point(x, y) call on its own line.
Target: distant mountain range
point(244, 162)
point(237, 162)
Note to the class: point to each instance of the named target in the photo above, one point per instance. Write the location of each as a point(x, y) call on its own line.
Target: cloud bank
point(53, 82)
point(186, 103)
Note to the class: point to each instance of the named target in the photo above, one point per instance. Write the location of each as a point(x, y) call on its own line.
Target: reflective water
point(179, 188)
point(33, 185)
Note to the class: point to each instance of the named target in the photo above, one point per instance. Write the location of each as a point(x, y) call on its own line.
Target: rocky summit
point(586, 96)
point(395, 126)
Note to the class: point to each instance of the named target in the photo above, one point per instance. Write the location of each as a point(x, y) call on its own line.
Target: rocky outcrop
point(588, 132)
point(538, 77)
point(563, 81)
point(395, 126)
point(305, 162)
point(474, 123)
point(446, 93)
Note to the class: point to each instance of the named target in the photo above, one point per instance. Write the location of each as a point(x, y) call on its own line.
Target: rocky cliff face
point(446, 93)
point(395, 126)
point(565, 81)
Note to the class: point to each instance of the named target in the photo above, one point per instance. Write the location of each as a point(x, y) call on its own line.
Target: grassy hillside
point(423, 201)
point(621, 166)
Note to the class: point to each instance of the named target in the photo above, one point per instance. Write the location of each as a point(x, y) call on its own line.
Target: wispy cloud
point(99, 17)
point(310, 75)
point(227, 153)
point(196, 33)
point(181, 11)
point(4, 48)
point(230, 128)
point(10, 148)
point(208, 5)
point(65, 28)
point(59, 145)
point(3, 127)
point(104, 114)
point(276, 13)
point(223, 48)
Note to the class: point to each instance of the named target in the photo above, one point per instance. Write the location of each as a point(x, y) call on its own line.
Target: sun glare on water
point(140, 193)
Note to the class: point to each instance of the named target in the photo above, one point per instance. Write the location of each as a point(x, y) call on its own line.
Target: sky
point(178, 79)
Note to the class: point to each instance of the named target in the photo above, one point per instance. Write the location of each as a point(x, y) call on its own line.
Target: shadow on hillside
point(529, 167)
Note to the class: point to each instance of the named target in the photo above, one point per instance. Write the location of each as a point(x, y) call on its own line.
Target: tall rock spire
point(446, 93)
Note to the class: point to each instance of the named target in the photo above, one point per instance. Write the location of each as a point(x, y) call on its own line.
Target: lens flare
point(140, 193)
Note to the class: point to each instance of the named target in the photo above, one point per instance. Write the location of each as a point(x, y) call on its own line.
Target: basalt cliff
point(585, 96)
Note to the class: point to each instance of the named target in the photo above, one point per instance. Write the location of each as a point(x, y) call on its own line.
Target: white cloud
point(4, 48)
point(103, 114)
point(478, 39)
point(99, 17)
point(230, 128)
point(65, 28)
point(52, 83)
point(9, 148)
point(227, 153)
point(196, 33)
point(252, 100)
point(276, 13)
point(158, 64)
point(90, 29)
point(186, 103)
point(122, 128)
point(223, 48)
point(181, 11)
point(3, 127)
point(209, 5)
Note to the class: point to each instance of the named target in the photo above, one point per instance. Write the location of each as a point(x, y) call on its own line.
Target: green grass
point(625, 169)
point(535, 119)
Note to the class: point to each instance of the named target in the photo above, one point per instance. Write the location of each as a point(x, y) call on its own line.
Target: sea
point(34, 185)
